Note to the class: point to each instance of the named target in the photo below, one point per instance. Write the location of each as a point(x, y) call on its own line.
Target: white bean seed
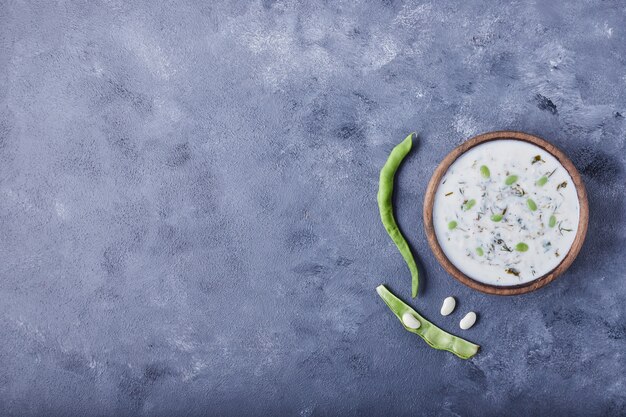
point(468, 321)
point(448, 306)
point(410, 321)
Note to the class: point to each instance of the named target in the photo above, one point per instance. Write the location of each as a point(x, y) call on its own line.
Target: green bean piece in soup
point(552, 221)
point(511, 179)
point(385, 206)
point(469, 204)
point(433, 335)
point(484, 171)
point(521, 247)
point(496, 217)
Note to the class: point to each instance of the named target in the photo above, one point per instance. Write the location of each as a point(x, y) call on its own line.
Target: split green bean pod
point(385, 206)
point(432, 334)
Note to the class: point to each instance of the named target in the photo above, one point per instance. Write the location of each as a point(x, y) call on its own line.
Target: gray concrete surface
point(188, 222)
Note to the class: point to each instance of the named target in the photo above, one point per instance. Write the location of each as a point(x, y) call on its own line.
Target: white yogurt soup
point(506, 212)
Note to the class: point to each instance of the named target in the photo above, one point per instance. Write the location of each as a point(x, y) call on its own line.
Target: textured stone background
point(188, 220)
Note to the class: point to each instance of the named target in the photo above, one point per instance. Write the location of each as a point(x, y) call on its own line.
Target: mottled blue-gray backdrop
point(188, 222)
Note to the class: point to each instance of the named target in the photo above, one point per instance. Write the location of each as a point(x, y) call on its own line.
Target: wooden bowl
point(528, 286)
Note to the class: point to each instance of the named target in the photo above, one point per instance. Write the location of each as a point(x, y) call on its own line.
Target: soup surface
point(506, 212)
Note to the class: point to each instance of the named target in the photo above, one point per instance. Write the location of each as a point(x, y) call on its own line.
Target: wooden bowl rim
point(535, 284)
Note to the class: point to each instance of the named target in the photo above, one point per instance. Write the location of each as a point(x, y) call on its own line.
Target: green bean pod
point(385, 206)
point(431, 334)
